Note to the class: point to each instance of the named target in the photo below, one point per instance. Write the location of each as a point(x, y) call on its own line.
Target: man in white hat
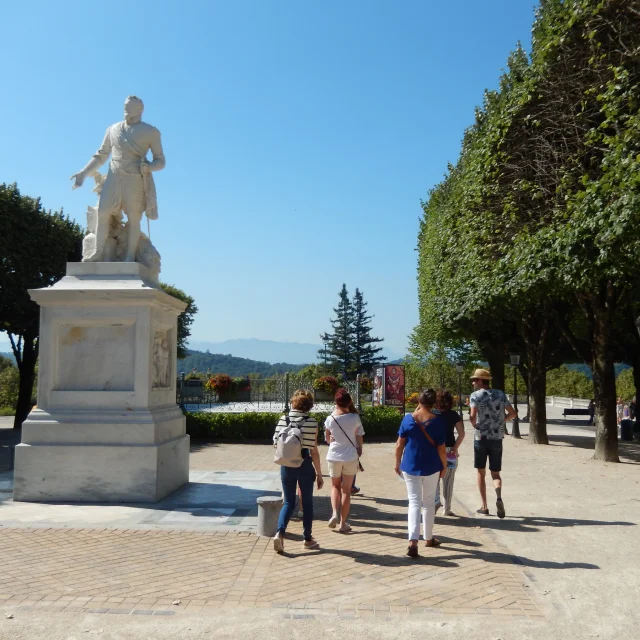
point(489, 410)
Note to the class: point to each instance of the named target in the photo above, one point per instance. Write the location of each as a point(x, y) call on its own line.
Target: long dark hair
point(428, 398)
point(444, 400)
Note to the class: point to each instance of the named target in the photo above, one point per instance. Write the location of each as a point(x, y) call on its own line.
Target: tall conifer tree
point(366, 354)
point(339, 344)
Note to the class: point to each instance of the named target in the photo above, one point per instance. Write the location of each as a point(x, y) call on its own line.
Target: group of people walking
point(426, 455)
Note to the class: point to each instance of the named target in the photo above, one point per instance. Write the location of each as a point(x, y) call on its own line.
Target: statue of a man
point(129, 185)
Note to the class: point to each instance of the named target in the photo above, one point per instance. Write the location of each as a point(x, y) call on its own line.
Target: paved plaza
point(565, 558)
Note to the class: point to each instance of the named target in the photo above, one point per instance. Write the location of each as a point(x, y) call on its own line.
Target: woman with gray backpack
point(296, 450)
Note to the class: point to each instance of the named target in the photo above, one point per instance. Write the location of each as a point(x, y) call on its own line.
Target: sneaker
point(500, 507)
point(333, 523)
point(310, 544)
point(278, 543)
point(344, 528)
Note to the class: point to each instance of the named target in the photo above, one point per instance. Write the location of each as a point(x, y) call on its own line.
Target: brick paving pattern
point(364, 573)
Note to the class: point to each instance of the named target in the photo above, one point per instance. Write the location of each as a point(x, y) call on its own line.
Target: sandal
point(484, 512)
point(412, 551)
point(434, 543)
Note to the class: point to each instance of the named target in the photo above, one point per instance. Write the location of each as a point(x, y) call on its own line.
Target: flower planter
point(322, 396)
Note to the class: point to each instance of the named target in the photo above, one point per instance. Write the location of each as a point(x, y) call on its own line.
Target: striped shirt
point(307, 425)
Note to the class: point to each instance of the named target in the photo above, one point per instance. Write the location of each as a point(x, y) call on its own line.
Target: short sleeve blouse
point(420, 457)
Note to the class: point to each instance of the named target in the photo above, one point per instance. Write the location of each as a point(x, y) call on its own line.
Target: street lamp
point(459, 370)
point(515, 361)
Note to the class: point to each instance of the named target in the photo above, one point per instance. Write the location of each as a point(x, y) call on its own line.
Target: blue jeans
point(305, 476)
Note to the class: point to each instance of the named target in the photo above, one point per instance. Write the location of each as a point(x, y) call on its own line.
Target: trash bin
point(626, 430)
point(268, 512)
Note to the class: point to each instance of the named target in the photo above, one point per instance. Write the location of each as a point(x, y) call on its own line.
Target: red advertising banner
point(394, 385)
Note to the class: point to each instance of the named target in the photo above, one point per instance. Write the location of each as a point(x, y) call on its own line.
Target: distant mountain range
point(235, 367)
point(270, 350)
point(586, 369)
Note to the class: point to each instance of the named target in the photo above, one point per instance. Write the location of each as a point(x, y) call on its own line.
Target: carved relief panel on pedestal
point(161, 359)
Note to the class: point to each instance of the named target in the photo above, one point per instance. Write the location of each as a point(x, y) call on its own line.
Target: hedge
point(378, 422)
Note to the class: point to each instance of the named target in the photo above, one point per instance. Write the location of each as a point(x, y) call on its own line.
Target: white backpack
point(288, 444)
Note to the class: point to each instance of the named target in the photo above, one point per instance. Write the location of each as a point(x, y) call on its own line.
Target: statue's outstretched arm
point(99, 158)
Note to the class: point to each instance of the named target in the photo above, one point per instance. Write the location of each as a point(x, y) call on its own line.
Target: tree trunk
point(537, 404)
point(535, 333)
point(604, 379)
point(27, 369)
point(493, 352)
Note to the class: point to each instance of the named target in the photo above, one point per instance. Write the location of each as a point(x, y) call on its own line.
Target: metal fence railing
point(269, 394)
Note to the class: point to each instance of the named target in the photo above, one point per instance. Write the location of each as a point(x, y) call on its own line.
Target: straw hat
point(481, 374)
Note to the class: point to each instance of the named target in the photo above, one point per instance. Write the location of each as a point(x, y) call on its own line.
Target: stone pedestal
point(106, 427)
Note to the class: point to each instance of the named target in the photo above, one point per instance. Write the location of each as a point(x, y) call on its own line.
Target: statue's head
point(133, 108)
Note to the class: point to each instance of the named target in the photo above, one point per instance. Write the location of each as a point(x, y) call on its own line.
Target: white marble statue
point(117, 242)
point(128, 187)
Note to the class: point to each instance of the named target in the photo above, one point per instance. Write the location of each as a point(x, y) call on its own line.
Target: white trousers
point(422, 493)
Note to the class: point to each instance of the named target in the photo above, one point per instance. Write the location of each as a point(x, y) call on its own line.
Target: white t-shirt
point(340, 449)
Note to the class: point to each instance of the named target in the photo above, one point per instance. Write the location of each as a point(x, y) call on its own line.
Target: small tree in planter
point(366, 388)
point(324, 388)
point(412, 400)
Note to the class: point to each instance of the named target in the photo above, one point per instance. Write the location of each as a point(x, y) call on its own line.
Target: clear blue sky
point(300, 137)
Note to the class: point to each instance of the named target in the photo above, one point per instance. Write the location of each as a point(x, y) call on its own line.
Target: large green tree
point(35, 246)
point(533, 234)
point(586, 134)
point(185, 319)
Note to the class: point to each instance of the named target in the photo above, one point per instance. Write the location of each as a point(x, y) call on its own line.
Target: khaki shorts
point(338, 469)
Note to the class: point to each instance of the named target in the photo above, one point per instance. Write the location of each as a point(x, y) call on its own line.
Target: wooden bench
point(576, 412)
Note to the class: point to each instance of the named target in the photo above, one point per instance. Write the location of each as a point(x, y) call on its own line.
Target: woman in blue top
point(421, 459)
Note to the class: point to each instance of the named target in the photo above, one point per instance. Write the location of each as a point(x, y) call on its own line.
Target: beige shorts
point(338, 469)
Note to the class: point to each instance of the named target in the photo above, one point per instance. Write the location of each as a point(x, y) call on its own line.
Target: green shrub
point(381, 422)
point(378, 422)
point(9, 385)
point(7, 411)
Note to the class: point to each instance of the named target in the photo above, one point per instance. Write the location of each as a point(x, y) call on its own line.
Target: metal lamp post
point(459, 370)
point(515, 361)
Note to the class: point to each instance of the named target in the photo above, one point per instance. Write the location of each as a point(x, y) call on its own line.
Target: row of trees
point(351, 349)
point(530, 242)
point(35, 246)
